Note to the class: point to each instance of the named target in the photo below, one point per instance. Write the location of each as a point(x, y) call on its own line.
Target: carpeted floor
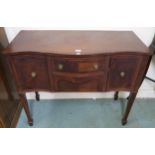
point(88, 113)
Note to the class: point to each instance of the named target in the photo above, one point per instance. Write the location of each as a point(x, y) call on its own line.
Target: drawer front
point(31, 72)
point(79, 83)
point(123, 72)
point(80, 65)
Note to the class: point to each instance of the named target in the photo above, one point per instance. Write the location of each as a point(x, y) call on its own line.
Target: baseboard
point(43, 95)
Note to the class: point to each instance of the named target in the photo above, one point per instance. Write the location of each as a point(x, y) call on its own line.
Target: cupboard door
point(123, 72)
point(31, 72)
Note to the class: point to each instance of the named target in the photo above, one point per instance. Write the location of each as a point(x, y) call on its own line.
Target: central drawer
point(80, 74)
point(80, 65)
point(79, 82)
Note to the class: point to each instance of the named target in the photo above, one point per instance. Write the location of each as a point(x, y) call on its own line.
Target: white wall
point(144, 33)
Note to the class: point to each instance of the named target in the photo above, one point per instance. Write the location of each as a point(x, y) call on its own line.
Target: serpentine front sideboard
point(77, 61)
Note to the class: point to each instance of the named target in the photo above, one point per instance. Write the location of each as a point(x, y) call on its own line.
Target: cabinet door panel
point(31, 72)
point(123, 72)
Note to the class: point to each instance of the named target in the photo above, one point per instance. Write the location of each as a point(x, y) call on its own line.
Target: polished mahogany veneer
point(78, 61)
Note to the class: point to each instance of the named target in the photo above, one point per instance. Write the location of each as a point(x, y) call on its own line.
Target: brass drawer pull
point(96, 66)
point(60, 66)
point(33, 74)
point(122, 74)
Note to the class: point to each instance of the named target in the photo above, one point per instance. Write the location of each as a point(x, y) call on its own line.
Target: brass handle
point(122, 74)
point(33, 74)
point(60, 66)
point(96, 66)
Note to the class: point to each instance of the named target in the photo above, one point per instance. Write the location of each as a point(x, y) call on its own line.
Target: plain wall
point(146, 34)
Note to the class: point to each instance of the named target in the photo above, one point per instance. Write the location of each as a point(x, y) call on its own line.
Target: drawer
point(79, 82)
point(31, 72)
point(123, 72)
point(80, 65)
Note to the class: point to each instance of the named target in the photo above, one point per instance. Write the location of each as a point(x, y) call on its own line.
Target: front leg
point(37, 96)
point(128, 108)
point(26, 108)
point(116, 95)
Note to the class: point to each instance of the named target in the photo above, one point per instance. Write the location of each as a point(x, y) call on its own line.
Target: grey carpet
point(88, 113)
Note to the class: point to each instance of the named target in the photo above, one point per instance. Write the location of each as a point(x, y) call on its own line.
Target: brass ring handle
point(122, 74)
point(33, 74)
point(96, 66)
point(60, 66)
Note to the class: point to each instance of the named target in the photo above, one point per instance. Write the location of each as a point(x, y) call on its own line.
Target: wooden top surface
point(71, 42)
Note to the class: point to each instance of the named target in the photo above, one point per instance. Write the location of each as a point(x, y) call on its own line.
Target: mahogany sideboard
point(77, 61)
